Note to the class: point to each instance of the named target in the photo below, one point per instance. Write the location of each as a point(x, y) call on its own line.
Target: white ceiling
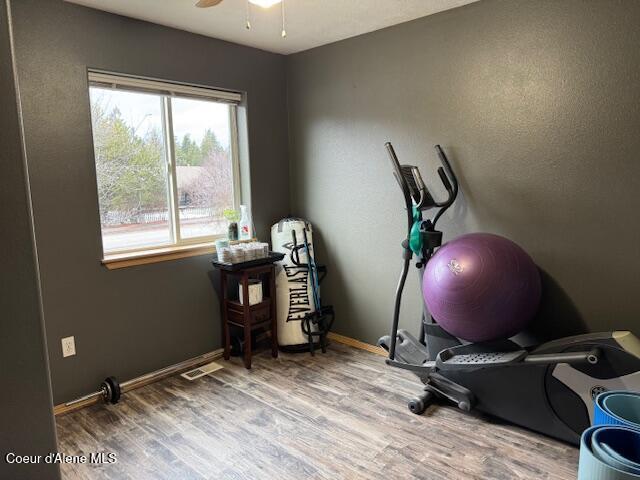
point(310, 23)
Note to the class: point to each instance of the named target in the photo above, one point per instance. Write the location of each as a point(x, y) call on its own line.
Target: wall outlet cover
point(68, 346)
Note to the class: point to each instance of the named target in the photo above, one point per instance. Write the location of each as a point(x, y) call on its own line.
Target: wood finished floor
point(341, 415)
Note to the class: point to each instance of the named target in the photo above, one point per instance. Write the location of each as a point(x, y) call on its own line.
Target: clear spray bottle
point(245, 224)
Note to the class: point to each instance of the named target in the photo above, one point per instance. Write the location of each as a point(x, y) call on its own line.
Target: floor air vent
point(201, 371)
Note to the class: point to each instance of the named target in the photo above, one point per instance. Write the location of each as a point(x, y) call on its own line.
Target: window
point(166, 162)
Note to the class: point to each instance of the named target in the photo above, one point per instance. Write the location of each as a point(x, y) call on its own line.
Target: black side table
point(249, 317)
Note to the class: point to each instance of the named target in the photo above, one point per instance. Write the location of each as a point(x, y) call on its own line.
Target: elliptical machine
point(548, 388)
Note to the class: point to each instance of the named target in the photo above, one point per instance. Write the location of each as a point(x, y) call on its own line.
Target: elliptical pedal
point(408, 348)
point(449, 359)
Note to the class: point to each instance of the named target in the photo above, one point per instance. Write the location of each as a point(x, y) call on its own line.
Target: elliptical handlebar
point(417, 197)
point(397, 172)
point(450, 182)
point(413, 187)
point(448, 178)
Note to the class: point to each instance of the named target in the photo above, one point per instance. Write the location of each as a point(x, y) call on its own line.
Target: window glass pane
point(203, 165)
point(131, 169)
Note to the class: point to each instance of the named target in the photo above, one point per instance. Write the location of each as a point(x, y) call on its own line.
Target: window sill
point(156, 255)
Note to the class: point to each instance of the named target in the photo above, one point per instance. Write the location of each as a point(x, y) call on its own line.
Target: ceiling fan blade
point(207, 3)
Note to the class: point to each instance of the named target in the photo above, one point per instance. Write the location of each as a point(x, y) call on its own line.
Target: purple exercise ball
point(481, 287)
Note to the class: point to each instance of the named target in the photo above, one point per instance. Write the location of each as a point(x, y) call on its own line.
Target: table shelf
point(237, 305)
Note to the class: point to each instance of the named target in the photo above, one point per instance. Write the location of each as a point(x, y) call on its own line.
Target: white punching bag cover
point(294, 296)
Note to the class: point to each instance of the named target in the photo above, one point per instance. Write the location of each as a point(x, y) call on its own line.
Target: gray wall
point(130, 321)
point(536, 104)
point(26, 416)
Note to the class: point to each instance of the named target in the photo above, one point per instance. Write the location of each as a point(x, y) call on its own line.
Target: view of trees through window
point(135, 192)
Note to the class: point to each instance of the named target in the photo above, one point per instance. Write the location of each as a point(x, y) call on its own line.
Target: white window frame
point(167, 91)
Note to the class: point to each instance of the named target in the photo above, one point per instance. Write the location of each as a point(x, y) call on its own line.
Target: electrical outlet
point(68, 346)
